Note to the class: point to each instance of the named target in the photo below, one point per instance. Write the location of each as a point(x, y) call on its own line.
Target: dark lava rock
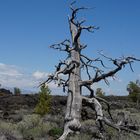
point(88, 113)
point(10, 103)
point(16, 102)
point(4, 92)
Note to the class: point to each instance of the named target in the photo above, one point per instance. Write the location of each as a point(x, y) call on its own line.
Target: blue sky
point(28, 27)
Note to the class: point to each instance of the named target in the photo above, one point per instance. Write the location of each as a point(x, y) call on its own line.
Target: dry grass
point(31, 126)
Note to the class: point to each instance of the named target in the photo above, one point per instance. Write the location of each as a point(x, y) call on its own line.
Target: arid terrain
point(18, 120)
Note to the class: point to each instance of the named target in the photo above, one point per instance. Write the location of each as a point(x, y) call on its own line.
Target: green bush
point(43, 106)
point(56, 131)
point(99, 92)
point(81, 136)
point(8, 128)
point(135, 97)
point(17, 91)
point(134, 91)
point(33, 126)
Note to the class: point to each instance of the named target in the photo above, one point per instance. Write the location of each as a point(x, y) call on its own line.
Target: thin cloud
point(39, 75)
point(12, 76)
point(116, 79)
point(9, 70)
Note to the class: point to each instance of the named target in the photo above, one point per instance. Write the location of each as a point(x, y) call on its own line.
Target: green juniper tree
point(100, 92)
point(43, 105)
point(134, 91)
point(17, 91)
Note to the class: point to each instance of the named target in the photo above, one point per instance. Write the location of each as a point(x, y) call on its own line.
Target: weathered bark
point(74, 90)
point(74, 101)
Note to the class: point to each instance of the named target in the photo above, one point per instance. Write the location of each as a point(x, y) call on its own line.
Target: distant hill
point(4, 91)
point(23, 91)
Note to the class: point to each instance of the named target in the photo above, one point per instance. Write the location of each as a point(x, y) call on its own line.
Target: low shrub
point(17, 91)
point(80, 137)
point(34, 126)
point(56, 131)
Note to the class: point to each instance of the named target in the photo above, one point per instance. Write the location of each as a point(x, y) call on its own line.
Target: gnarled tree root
point(70, 127)
point(101, 118)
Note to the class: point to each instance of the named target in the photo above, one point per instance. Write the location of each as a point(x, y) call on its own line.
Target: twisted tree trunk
point(74, 100)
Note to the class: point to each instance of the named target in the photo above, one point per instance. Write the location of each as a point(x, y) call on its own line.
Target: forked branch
point(62, 46)
point(78, 24)
point(119, 63)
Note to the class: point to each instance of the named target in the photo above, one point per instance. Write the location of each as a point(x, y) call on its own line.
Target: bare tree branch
point(74, 12)
point(82, 47)
point(62, 46)
point(119, 63)
point(119, 127)
point(89, 60)
point(78, 23)
point(89, 28)
point(99, 99)
point(80, 28)
point(101, 118)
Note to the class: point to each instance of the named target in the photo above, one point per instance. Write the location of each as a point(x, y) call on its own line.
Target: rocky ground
point(19, 122)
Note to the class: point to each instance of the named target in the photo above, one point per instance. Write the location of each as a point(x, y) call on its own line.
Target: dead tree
point(72, 67)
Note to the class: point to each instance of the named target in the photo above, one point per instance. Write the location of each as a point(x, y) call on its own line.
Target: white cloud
point(13, 76)
point(40, 75)
point(115, 79)
point(9, 70)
